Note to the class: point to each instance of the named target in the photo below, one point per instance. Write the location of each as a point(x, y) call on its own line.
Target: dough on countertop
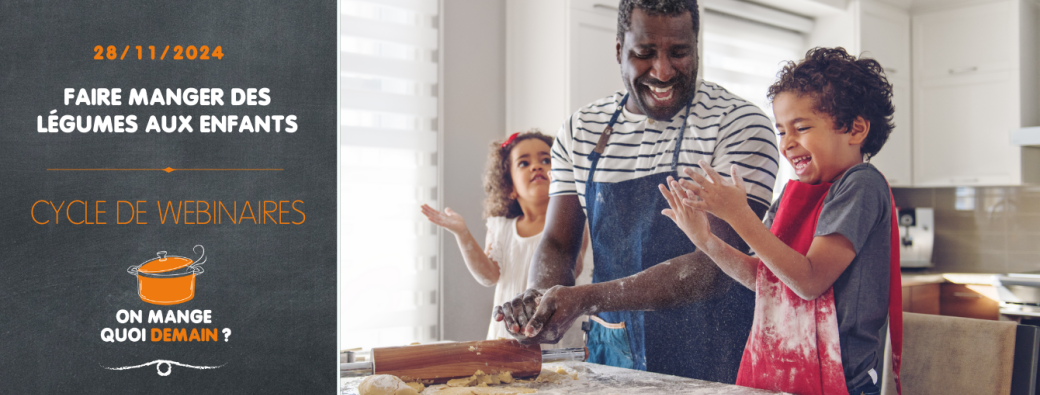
point(561, 370)
point(555, 377)
point(482, 379)
point(485, 391)
point(463, 382)
point(480, 384)
point(385, 384)
point(418, 387)
point(506, 377)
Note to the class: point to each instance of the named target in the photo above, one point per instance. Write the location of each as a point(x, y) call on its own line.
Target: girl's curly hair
point(498, 180)
point(844, 88)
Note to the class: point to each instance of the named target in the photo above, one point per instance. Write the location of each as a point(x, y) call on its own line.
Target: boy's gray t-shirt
point(859, 207)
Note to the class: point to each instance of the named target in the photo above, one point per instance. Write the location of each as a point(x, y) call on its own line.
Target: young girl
point(826, 272)
point(517, 185)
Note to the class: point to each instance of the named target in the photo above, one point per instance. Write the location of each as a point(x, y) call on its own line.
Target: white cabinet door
point(894, 159)
point(966, 40)
point(961, 128)
point(595, 72)
point(884, 35)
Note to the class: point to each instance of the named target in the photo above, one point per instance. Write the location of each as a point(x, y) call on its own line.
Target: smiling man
point(657, 303)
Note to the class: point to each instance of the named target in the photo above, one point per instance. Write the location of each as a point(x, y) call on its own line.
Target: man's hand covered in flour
point(515, 313)
point(537, 317)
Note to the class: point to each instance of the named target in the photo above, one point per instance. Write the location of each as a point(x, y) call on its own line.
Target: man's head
point(657, 50)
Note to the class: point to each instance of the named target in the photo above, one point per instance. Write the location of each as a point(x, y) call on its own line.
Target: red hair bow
point(510, 139)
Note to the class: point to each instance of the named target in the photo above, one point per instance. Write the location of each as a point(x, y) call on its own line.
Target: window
point(744, 56)
point(387, 167)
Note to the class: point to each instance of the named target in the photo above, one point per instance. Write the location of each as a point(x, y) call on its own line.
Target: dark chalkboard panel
point(273, 285)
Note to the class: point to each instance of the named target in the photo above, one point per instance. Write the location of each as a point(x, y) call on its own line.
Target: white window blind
point(387, 168)
point(744, 56)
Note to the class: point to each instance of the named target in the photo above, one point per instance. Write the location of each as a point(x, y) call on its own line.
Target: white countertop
point(954, 278)
point(600, 379)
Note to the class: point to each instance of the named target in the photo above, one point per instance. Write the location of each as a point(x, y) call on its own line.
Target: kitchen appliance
point(441, 362)
point(916, 237)
point(168, 279)
point(1019, 295)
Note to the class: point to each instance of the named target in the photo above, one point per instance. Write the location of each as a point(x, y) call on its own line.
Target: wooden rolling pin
point(445, 361)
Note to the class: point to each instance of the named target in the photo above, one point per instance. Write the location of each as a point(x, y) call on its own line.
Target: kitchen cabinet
point(976, 77)
point(882, 32)
point(958, 295)
point(969, 301)
point(921, 298)
point(560, 56)
point(595, 72)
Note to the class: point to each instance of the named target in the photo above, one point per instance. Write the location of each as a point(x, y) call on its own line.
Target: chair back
point(953, 355)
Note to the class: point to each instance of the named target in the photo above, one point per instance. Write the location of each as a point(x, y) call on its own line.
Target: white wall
point(473, 84)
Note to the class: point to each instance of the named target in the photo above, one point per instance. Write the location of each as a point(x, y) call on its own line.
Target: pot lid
point(164, 264)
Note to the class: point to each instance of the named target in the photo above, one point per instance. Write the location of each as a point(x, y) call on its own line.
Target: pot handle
point(200, 260)
point(133, 269)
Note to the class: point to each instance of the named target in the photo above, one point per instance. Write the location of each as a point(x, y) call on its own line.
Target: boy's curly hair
point(498, 180)
point(844, 88)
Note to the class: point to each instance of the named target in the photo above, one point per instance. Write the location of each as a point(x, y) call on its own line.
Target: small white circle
point(169, 368)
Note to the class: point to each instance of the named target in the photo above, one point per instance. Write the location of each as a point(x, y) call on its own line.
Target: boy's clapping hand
point(693, 222)
point(725, 200)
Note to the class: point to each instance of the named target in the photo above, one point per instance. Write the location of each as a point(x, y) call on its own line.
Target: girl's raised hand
point(693, 222)
point(448, 219)
point(726, 200)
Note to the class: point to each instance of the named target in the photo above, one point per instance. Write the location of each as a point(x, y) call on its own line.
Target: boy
point(825, 261)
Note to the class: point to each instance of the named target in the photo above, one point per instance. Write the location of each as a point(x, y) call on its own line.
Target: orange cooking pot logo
point(168, 279)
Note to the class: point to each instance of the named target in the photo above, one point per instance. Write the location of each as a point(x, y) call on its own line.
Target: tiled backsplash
point(981, 230)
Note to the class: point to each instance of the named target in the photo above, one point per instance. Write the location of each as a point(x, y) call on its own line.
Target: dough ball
point(384, 384)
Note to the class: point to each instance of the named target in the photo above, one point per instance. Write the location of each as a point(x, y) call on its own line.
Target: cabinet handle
point(605, 7)
point(964, 70)
point(966, 295)
point(964, 181)
point(890, 70)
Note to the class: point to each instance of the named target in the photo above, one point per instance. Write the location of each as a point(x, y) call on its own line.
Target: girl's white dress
point(513, 254)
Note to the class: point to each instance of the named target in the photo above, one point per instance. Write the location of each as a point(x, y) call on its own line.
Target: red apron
point(793, 346)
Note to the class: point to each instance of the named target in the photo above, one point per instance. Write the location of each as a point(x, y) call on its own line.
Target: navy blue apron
point(702, 340)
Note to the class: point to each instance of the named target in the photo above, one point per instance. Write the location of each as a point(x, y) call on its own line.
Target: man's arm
point(678, 281)
point(549, 312)
point(553, 262)
point(554, 259)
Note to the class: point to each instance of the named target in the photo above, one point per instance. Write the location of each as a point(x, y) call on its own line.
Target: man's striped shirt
point(723, 130)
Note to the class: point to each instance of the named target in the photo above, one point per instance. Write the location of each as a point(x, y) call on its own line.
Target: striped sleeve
point(746, 139)
point(562, 162)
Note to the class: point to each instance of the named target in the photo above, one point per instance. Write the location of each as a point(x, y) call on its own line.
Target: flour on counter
point(583, 378)
point(385, 384)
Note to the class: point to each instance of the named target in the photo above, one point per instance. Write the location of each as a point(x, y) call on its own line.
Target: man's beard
point(683, 90)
